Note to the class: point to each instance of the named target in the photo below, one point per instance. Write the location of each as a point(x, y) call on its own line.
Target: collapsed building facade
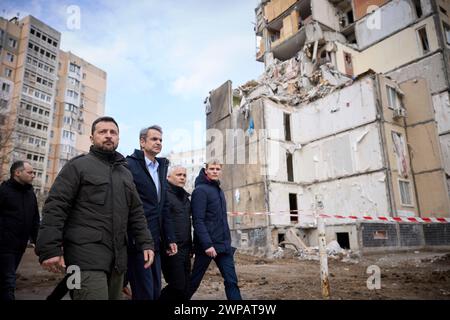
point(351, 117)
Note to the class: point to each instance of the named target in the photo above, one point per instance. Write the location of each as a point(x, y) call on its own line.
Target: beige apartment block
point(80, 100)
point(48, 99)
point(32, 56)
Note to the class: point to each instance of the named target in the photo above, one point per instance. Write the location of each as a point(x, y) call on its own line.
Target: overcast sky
point(162, 57)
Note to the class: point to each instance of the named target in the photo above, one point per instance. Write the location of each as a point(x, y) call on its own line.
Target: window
point(12, 43)
point(287, 127)
point(443, 10)
point(446, 33)
point(405, 192)
point(8, 73)
point(423, 38)
point(6, 87)
point(9, 57)
point(293, 207)
point(392, 97)
point(290, 169)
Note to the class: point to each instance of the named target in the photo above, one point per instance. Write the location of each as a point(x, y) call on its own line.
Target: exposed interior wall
point(445, 148)
point(352, 152)
point(359, 195)
point(275, 8)
point(279, 203)
point(339, 111)
point(326, 13)
point(384, 21)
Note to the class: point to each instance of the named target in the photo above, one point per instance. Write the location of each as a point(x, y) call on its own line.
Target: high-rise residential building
point(48, 99)
point(79, 101)
point(30, 57)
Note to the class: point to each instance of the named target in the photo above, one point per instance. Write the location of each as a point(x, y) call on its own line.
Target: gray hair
point(173, 168)
point(143, 132)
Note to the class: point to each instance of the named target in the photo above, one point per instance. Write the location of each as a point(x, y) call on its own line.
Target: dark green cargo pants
point(99, 285)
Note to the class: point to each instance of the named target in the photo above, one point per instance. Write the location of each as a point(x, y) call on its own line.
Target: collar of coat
point(18, 186)
point(112, 157)
point(178, 191)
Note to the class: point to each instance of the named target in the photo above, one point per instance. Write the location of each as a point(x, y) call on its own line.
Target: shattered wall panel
point(359, 196)
point(339, 111)
point(431, 68)
point(384, 56)
point(351, 152)
point(445, 148)
point(384, 21)
point(220, 104)
point(441, 104)
point(327, 14)
point(433, 195)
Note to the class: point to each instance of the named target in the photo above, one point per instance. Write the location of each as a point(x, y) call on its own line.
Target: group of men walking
point(119, 220)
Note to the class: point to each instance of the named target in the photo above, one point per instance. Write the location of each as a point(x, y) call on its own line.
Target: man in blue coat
point(149, 174)
point(212, 240)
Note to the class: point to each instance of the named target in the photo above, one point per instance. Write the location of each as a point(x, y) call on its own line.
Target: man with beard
point(86, 215)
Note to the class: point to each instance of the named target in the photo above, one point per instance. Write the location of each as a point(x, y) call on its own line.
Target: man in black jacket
point(149, 174)
point(19, 222)
point(177, 268)
point(86, 215)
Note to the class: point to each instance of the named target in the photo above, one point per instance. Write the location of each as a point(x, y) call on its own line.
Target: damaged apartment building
point(351, 117)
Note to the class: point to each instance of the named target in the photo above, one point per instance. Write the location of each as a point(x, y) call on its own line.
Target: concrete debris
point(334, 251)
point(301, 79)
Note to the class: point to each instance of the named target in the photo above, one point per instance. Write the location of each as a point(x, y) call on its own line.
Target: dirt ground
point(410, 275)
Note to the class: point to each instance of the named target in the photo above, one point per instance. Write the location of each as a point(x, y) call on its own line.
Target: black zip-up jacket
point(180, 211)
point(19, 216)
point(86, 214)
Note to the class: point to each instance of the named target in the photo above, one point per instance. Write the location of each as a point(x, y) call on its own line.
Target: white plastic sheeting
point(441, 104)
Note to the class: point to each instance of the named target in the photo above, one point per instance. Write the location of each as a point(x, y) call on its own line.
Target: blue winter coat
point(157, 213)
point(209, 216)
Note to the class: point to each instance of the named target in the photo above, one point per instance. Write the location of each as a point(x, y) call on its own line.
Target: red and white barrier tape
point(366, 218)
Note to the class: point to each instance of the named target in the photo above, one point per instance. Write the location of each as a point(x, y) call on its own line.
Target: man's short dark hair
point(103, 119)
point(18, 165)
point(143, 133)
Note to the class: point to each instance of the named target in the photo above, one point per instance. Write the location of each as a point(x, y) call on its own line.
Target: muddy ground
point(410, 275)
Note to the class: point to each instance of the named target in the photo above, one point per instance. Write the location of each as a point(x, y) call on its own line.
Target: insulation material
point(441, 104)
point(349, 153)
point(356, 105)
point(358, 196)
point(384, 21)
point(400, 153)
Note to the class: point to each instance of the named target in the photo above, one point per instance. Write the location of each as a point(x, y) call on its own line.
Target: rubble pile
point(334, 251)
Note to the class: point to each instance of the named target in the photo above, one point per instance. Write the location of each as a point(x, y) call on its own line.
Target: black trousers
point(176, 270)
point(8, 267)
